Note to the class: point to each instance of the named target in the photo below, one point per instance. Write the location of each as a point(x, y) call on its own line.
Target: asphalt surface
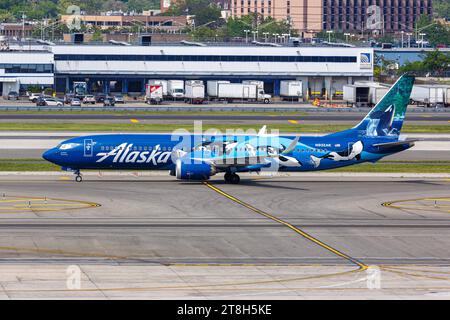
point(177, 234)
point(159, 220)
point(325, 117)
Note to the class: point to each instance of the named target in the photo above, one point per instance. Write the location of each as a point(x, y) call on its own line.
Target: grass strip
point(168, 127)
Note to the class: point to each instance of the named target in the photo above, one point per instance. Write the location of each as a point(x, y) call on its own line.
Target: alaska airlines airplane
point(198, 157)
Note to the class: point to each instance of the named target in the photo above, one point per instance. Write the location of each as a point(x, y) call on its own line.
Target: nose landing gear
point(232, 178)
point(78, 177)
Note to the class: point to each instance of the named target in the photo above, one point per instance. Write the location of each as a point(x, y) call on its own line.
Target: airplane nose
point(49, 155)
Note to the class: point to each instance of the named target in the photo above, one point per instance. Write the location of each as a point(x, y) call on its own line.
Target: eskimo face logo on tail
point(123, 154)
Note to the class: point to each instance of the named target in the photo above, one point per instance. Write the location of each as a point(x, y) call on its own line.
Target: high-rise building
point(367, 15)
point(301, 14)
point(309, 16)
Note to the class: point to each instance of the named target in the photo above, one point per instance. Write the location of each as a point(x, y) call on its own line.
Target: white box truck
point(175, 89)
point(194, 92)
point(242, 92)
point(437, 96)
point(291, 89)
point(162, 83)
point(428, 95)
point(154, 94)
point(212, 87)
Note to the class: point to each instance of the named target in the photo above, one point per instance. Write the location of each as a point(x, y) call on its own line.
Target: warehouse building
point(108, 69)
point(126, 69)
point(21, 69)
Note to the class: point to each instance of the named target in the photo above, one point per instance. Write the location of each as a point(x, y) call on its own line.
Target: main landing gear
point(232, 178)
point(78, 177)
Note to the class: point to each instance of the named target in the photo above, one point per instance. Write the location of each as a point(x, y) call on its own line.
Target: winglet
point(262, 131)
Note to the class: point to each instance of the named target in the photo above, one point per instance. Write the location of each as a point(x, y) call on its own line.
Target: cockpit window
point(68, 146)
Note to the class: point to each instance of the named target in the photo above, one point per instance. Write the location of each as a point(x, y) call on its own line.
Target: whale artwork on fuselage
point(200, 156)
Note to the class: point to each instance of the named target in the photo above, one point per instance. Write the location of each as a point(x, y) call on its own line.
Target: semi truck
point(291, 89)
point(376, 91)
point(194, 92)
point(175, 89)
point(242, 92)
point(356, 95)
point(212, 88)
point(154, 94)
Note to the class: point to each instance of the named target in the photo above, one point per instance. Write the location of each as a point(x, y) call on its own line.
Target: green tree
point(436, 32)
point(141, 5)
point(204, 10)
point(436, 61)
point(441, 8)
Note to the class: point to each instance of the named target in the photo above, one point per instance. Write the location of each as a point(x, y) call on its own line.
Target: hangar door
point(316, 88)
point(337, 88)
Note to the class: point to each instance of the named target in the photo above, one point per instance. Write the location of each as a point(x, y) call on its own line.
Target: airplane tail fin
point(386, 118)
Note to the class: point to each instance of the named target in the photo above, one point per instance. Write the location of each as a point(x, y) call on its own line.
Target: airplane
point(198, 156)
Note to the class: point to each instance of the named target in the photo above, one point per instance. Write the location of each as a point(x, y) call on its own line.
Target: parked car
point(13, 95)
point(49, 102)
point(68, 98)
point(109, 102)
point(34, 96)
point(100, 97)
point(89, 99)
point(75, 102)
point(41, 100)
point(119, 98)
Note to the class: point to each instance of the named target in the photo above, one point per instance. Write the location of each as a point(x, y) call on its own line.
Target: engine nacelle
point(194, 171)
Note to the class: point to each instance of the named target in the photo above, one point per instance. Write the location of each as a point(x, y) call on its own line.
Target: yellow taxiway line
point(307, 236)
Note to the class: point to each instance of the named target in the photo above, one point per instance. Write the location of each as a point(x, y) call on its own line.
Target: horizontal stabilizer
point(388, 145)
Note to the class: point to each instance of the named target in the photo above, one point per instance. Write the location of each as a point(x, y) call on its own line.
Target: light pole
point(422, 35)
point(346, 36)
point(329, 35)
point(255, 35)
point(403, 32)
point(246, 35)
point(409, 34)
point(275, 36)
point(23, 24)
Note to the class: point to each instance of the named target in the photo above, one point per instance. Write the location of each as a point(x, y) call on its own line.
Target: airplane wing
point(224, 162)
point(388, 145)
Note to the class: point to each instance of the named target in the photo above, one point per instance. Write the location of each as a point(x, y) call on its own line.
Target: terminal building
point(126, 69)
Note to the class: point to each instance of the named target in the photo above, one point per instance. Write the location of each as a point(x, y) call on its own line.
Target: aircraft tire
point(235, 179)
point(227, 177)
point(78, 178)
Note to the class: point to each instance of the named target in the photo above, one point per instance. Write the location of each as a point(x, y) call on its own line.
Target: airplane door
point(88, 147)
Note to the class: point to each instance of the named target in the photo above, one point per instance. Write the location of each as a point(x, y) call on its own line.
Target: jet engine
point(194, 171)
